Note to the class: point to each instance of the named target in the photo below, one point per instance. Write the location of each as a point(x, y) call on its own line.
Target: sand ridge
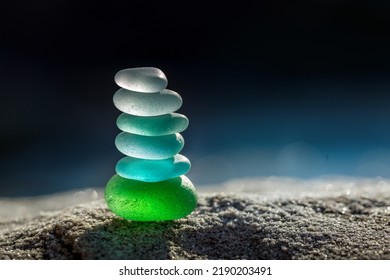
point(224, 226)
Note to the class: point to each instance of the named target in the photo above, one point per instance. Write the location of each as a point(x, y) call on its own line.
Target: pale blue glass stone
point(147, 104)
point(152, 170)
point(149, 147)
point(142, 79)
point(152, 126)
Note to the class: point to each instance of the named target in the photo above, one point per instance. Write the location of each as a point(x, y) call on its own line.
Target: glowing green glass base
point(151, 201)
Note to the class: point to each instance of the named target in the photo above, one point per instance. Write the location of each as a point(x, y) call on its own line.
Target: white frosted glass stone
point(142, 79)
point(147, 104)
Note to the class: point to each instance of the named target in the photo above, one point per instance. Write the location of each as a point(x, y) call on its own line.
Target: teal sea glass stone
point(152, 126)
point(144, 201)
point(149, 147)
point(142, 79)
point(152, 170)
point(147, 104)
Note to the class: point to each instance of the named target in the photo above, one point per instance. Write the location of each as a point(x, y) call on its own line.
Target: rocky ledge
point(245, 225)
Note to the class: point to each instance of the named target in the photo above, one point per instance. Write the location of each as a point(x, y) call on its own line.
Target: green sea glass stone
point(149, 147)
point(147, 104)
point(152, 170)
point(144, 201)
point(142, 79)
point(152, 126)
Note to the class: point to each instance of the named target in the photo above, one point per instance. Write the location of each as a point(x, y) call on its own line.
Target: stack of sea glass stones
point(150, 184)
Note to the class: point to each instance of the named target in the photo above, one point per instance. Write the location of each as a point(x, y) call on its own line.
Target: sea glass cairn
point(149, 184)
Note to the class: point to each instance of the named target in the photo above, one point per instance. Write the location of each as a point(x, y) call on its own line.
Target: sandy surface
point(259, 218)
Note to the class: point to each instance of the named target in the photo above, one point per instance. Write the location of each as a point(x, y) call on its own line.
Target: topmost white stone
point(142, 79)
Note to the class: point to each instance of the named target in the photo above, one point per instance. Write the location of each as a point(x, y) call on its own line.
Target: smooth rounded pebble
point(152, 126)
point(147, 104)
point(152, 170)
point(142, 79)
point(149, 147)
point(145, 201)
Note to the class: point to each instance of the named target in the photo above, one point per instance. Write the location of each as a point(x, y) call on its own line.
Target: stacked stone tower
point(150, 184)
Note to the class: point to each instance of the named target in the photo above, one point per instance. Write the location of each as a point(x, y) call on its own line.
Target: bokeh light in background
point(271, 89)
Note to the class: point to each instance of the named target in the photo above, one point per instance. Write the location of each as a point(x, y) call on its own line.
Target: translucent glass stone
point(142, 79)
point(152, 126)
point(149, 147)
point(145, 201)
point(147, 104)
point(152, 170)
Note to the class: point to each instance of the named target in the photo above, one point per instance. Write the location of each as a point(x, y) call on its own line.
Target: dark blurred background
point(271, 88)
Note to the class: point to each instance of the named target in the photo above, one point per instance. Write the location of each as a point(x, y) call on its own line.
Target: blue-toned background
point(270, 88)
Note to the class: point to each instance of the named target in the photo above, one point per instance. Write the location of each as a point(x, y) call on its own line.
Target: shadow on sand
point(121, 239)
